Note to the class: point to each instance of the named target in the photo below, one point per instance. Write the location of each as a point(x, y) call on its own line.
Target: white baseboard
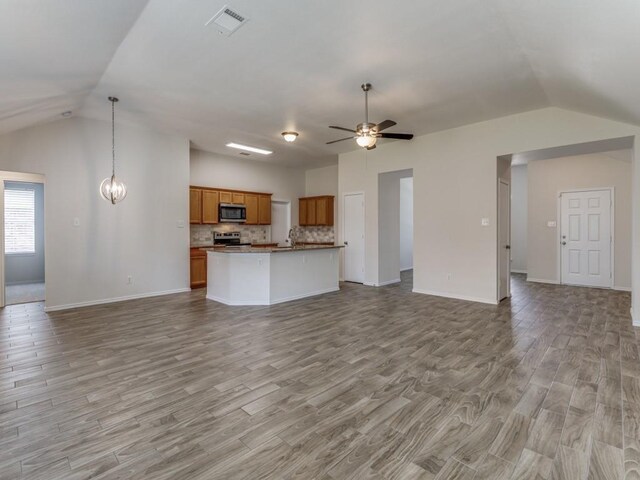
point(272, 302)
point(90, 303)
point(622, 289)
point(456, 296)
point(543, 280)
point(405, 269)
point(634, 321)
point(518, 271)
point(382, 284)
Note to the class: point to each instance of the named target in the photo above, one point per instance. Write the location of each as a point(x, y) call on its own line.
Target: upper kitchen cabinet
point(264, 209)
point(210, 201)
point(316, 211)
point(195, 205)
point(251, 202)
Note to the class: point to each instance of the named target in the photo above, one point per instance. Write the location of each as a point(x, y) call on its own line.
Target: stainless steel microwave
point(232, 213)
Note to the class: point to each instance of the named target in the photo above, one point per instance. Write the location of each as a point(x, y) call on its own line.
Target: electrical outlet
point(129, 280)
point(76, 222)
point(484, 222)
point(448, 276)
point(180, 224)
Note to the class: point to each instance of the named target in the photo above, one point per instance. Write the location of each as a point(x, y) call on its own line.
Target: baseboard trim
point(622, 289)
point(381, 284)
point(634, 321)
point(456, 296)
point(405, 269)
point(518, 271)
point(91, 303)
point(543, 280)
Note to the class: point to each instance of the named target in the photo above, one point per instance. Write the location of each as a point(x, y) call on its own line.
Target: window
point(19, 221)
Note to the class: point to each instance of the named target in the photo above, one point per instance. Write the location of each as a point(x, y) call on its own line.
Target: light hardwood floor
point(363, 383)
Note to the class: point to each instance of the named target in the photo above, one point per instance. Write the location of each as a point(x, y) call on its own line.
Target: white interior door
point(586, 238)
point(280, 222)
point(354, 237)
point(504, 239)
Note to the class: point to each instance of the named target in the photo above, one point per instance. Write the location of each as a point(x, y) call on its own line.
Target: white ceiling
point(298, 65)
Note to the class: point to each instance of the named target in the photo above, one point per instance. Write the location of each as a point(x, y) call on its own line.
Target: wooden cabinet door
point(225, 197)
point(321, 211)
point(312, 217)
point(330, 206)
point(251, 201)
point(238, 198)
point(195, 205)
point(198, 272)
point(265, 209)
point(302, 211)
point(210, 206)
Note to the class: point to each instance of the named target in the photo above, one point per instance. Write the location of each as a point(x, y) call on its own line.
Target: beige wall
point(141, 237)
point(548, 177)
point(454, 175)
point(519, 218)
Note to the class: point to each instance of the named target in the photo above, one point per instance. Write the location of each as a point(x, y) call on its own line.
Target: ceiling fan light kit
point(367, 134)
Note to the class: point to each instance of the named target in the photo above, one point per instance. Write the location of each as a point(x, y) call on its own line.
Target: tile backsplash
point(202, 235)
point(316, 234)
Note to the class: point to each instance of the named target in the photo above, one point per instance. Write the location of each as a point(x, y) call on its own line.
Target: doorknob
point(563, 243)
point(346, 243)
point(508, 247)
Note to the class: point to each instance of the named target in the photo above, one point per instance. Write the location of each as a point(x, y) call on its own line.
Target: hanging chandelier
point(112, 189)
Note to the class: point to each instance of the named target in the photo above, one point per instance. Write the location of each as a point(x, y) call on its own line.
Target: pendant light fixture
point(112, 189)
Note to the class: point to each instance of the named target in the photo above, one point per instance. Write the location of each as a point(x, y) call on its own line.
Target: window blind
point(19, 221)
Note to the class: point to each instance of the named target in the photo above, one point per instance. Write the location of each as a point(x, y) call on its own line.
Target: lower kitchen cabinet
point(198, 268)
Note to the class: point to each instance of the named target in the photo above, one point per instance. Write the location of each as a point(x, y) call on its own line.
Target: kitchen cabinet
point(225, 197)
point(237, 198)
point(251, 202)
point(198, 268)
point(210, 206)
point(264, 209)
point(195, 205)
point(316, 211)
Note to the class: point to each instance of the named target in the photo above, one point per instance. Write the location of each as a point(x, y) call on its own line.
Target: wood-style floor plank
point(365, 383)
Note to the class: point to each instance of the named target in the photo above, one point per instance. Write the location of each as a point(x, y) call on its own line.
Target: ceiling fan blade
point(341, 140)
point(384, 125)
point(398, 136)
point(342, 128)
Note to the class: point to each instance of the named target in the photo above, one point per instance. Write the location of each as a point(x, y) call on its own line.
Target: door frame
point(18, 177)
point(364, 232)
point(499, 264)
point(612, 232)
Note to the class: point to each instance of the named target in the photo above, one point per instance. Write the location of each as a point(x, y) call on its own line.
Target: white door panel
point(585, 238)
point(354, 238)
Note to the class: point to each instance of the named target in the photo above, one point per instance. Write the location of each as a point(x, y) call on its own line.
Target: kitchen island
point(266, 276)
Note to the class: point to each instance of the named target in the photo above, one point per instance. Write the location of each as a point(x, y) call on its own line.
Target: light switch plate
point(485, 222)
point(552, 224)
point(76, 222)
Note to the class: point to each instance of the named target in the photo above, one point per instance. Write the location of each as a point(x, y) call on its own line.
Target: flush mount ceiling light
point(249, 149)
point(112, 189)
point(290, 136)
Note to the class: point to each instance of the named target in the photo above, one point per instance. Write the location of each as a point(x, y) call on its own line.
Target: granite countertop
point(268, 249)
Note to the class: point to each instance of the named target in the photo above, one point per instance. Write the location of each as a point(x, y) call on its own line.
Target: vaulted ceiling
point(297, 65)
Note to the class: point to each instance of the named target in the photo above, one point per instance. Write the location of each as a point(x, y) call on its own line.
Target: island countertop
point(263, 250)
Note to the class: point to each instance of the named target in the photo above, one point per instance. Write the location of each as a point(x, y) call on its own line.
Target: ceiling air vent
point(227, 21)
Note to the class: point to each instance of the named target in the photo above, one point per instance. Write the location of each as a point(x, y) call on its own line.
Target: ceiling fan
point(367, 134)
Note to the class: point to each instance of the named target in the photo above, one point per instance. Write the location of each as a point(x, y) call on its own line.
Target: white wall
point(406, 223)
point(454, 174)
point(138, 238)
point(519, 217)
point(546, 178)
point(213, 170)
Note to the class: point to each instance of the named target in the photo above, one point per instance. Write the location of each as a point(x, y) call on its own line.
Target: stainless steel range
point(228, 239)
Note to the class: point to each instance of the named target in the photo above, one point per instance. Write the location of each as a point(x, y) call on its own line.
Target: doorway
point(353, 228)
point(586, 238)
point(504, 236)
point(280, 221)
point(22, 239)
